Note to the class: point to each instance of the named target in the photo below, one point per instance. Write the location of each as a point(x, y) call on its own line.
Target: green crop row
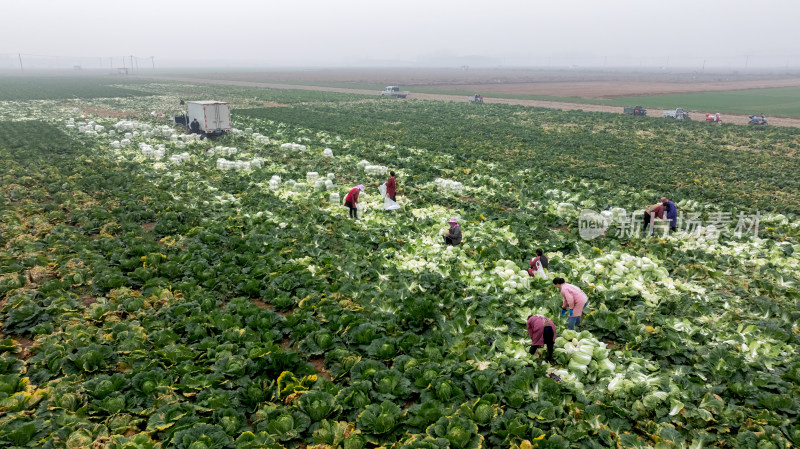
point(21, 88)
point(778, 101)
point(732, 165)
point(152, 304)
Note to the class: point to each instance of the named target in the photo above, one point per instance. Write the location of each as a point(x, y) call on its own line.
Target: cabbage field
point(161, 291)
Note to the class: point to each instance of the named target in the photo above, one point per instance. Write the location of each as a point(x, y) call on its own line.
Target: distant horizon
point(790, 70)
point(678, 35)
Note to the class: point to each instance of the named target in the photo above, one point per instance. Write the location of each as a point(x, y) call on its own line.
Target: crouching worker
point(538, 265)
point(574, 299)
point(195, 127)
point(542, 332)
point(453, 236)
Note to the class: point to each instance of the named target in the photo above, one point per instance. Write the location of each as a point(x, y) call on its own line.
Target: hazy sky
point(405, 32)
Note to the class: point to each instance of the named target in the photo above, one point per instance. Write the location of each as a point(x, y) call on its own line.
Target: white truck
point(678, 114)
point(394, 91)
point(214, 116)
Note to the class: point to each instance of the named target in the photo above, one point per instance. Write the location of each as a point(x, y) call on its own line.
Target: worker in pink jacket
point(574, 299)
point(542, 332)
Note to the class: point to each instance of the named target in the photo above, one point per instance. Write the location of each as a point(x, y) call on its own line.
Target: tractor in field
point(636, 110)
point(477, 98)
point(677, 114)
point(755, 120)
point(713, 118)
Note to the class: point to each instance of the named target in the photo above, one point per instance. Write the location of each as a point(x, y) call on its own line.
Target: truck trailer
point(214, 116)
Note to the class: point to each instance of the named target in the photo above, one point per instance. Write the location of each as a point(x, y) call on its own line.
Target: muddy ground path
point(565, 106)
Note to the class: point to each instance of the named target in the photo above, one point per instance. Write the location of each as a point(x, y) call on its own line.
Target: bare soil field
point(563, 83)
point(587, 84)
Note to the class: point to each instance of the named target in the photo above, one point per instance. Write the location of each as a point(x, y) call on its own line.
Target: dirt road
point(726, 118)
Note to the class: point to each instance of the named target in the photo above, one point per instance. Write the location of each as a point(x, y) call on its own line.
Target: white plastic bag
point(382, 189)
point(540, 271)
point(388, 204)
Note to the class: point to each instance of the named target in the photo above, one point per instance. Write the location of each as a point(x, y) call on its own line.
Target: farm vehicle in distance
point(636, 110)
point(213, 118)
point(477, 98)
point(756, 120)
point(713, 118)
point(677, 114)
point(394, 91)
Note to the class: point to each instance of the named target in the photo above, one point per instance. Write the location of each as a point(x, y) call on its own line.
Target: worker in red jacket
point(351, 200)
point(391, 186)
point(654, 211)
point(538, 263)
point(542, 332)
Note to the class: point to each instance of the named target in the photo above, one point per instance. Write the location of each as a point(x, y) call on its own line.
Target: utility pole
point(153, 61)
point(20, 62)
point(131, 63)
point(704, 65)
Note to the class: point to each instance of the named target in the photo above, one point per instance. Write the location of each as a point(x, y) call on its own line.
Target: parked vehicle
point(713, 118)
point(677, 114)
point(755, 120)
point(394, 91)
point(636, 110)
point(214, 116)
point(477, 98)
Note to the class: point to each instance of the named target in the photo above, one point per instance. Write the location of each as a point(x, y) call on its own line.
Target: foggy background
point(149, 34)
